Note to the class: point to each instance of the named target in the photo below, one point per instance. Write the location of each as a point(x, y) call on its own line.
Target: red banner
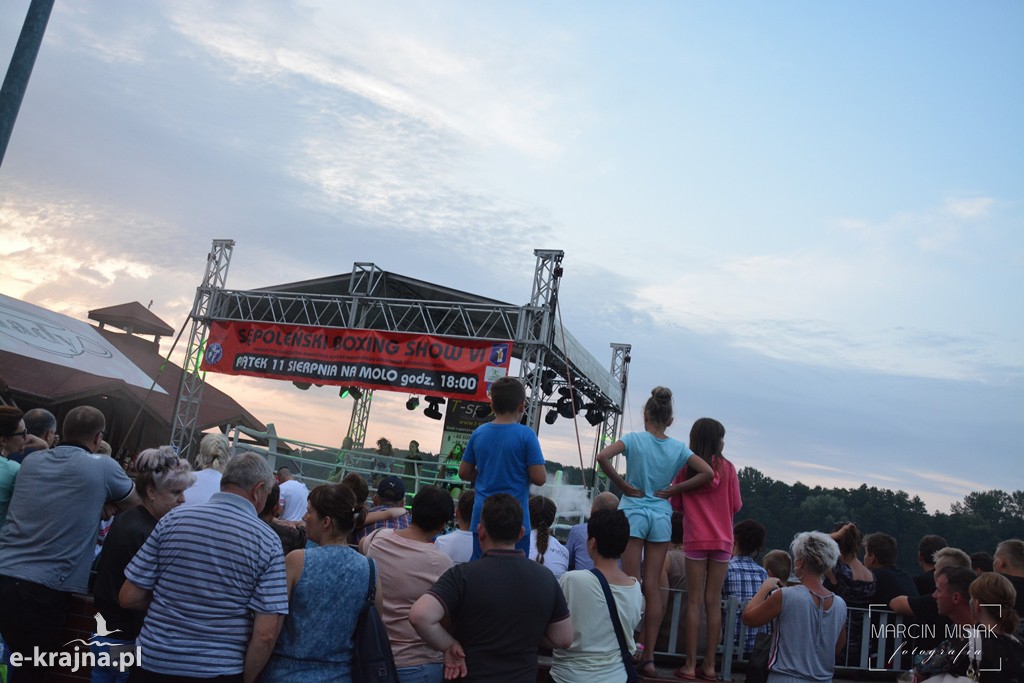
point(411, 363)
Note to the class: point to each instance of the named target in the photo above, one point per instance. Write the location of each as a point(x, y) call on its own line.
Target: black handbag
point(627, 660)
point(757, 663)
point(372, 661)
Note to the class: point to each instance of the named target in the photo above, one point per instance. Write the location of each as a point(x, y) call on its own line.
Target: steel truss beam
point(190, 389)
point(611, 427)
point(535, 334)
point(472, 321)
point(538, 342)
point(360, 418)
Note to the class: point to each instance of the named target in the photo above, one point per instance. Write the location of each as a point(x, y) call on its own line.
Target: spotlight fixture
point(354, 392)
point(551, 417)
point(565, 408)
point(547, 381)
point(432, 410)
point(577, 401)
point(303, 385)
point(413, 403)
point(594, 415)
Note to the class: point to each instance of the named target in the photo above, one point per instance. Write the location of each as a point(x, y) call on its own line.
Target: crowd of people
point(235, 572)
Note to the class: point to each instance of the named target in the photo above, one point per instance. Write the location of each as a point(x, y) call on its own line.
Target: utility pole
point(24, 58)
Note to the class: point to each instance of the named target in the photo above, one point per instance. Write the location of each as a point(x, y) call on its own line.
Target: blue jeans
point(422, 673)
point(113, 648)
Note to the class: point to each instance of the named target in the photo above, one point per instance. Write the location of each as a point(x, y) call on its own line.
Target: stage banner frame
point(452, 367)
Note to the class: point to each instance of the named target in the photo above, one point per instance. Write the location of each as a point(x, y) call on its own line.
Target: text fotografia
point(78, 659)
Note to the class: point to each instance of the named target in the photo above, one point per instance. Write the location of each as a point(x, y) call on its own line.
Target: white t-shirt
point(457, 545)
point(294, 495)
point(556, 557)
point(207, 483)
point(594, 656)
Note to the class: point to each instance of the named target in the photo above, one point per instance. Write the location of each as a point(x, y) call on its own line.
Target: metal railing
point(315, 464)
point(874, 639)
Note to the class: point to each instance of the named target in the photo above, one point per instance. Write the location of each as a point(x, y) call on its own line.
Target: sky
point(806, 217)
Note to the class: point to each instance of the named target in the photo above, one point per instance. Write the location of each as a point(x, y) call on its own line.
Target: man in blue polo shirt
point(212, 576)
point(46, 546)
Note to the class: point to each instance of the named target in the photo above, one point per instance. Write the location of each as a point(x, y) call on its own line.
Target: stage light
point(565, 408)
point(565, 392)
point(413, 403)
point(432, 410)
point(594, 416)
point(547, 381)
point(301, 385)
point(551, 417)
point(354, 392)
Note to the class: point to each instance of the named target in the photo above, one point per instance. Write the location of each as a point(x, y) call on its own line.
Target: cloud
point(869, 301)
point(70, 255)
point(402, 66)
point(803, 464)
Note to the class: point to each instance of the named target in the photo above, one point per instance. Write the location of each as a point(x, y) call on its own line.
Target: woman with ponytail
point(652, 459)
point(1002, 650)
point(327, 589)
point(545, 549)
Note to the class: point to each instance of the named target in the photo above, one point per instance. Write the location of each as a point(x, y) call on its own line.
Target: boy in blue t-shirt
point(503, 456)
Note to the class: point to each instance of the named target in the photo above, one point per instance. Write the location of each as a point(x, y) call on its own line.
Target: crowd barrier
point(875, 646)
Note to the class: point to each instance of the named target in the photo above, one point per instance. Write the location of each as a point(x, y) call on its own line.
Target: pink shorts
point(700, 555)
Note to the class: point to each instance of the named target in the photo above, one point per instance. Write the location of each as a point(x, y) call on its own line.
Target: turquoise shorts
point(651, 525)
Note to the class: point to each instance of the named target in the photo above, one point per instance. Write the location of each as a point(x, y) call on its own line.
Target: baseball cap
point(391, 488)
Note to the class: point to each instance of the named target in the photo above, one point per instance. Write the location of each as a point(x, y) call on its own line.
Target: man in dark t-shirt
point(926, 549)
point(880, 553)
point(504, 606)
point(1009, 561)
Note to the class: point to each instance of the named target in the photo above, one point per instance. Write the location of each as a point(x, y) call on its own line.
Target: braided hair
point(542, 518)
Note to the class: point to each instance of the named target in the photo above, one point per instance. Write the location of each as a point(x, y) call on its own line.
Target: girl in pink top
point(707, 542)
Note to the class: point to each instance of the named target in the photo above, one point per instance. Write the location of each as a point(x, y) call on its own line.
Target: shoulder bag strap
point(371, 593)
point(627, 659)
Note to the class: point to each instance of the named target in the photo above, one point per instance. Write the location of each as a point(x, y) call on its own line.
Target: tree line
point(977, 523)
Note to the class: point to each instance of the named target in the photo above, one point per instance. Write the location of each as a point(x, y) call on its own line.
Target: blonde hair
point(213, 448)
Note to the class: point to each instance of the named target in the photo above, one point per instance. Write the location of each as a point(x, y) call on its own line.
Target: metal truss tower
point(360, 418)
point(535, 333)
point(612, 424)
point(190, 389)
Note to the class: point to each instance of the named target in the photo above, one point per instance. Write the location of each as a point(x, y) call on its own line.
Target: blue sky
point(805, 217)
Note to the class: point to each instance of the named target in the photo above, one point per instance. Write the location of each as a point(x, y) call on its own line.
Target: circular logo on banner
point(214, 354)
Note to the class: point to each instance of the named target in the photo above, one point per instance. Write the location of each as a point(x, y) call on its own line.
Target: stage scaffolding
point(372, 299)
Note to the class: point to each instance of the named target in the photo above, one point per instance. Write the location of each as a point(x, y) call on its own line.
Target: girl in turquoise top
point(652, 460)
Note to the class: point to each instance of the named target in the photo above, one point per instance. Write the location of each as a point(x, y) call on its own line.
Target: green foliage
point(977, 523)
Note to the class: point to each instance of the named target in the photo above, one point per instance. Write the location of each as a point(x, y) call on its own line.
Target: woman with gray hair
point(811, 626)
point(161, 479)
point(214, 453)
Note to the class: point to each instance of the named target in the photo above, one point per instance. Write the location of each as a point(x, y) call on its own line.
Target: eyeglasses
point(23, 432)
